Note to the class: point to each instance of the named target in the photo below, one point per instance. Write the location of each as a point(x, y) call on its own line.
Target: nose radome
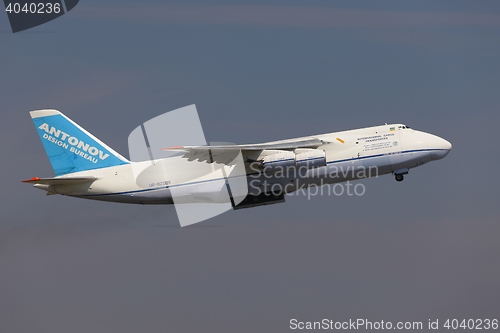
point(442, 148)
point(447, 144)
point(440, 143)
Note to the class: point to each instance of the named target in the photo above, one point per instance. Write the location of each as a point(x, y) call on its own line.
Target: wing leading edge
point(226, 153)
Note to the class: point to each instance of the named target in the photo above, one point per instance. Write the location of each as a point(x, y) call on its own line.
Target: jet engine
point(309, 158)
point(300, 158)
point(278, 160)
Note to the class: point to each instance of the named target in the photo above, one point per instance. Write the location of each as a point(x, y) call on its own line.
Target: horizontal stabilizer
point(60, 181)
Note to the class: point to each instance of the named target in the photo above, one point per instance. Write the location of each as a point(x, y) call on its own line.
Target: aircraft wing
point(224, 154)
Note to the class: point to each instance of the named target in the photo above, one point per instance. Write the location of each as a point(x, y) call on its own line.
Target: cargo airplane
point(86, 167)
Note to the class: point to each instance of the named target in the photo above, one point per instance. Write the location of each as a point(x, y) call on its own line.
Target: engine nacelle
point(278, 161)
point(309, 158)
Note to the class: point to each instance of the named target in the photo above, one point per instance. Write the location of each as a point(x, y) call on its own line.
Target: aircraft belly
point(159, 196)
point(156, 196)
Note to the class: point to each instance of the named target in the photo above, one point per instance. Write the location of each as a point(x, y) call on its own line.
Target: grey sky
point(424, 248)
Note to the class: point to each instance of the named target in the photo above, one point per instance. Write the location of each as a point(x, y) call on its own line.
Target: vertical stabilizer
point(71, 148)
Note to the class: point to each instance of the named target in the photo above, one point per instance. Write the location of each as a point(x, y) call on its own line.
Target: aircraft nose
point(447, 144)
point(442, 148)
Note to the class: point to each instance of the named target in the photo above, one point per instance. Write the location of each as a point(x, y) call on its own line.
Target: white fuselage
point(353, 154)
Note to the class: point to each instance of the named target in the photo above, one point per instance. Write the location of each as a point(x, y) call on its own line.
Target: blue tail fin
point(69, 147)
